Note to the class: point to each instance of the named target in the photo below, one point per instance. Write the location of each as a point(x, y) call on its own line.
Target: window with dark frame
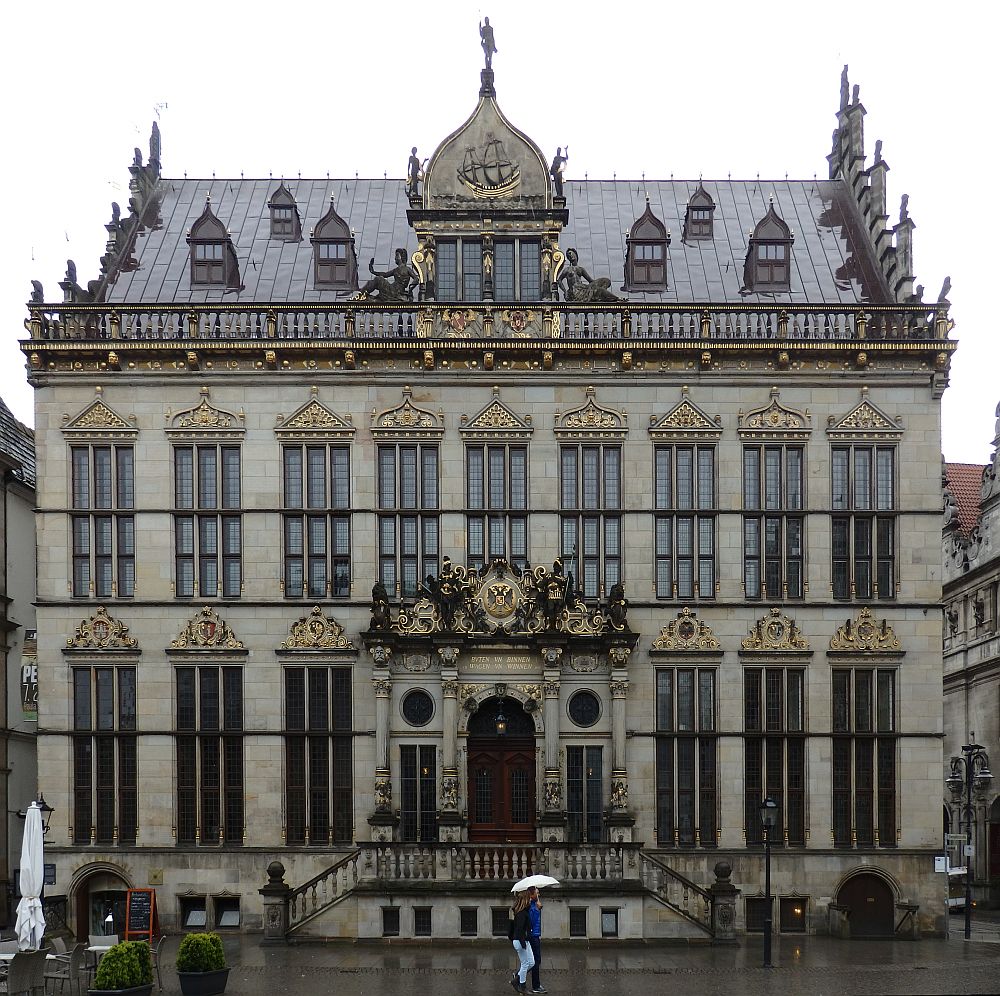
point(319, 766)
point(418, 792)
point(468, 921)
point(863, 521)
point(646, 253)
point(686, 757)
point(212, 255)
point(105, 761)
point(286, 225)
point(390, 921)
point(497, 500)
point(499, 920)
point(773, 521)
point(517, 270)
point(578, 921)
point(422, 921)
point(864, 757)
point(584, 795)
point(756, 913)
point(698, 217)
point(208, 553)
point(685, 521)
point(334, 260)
point(208, 263)
point(209, 741)
point(408, 522)
point(317, 521)
point(768, 262)
point(102, 521)
point(590, 498)
point(792, 914)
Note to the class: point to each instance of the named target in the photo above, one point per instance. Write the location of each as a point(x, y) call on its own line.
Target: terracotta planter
point(131, 991)
point(203, 983)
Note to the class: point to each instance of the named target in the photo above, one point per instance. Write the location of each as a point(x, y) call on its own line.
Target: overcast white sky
point(709, 88)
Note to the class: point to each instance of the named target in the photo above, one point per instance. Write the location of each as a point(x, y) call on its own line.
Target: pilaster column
point(619, 817)
point(382, 820)
point(553, 821)
point(449, 817)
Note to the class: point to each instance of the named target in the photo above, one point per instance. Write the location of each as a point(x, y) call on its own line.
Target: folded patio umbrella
point(30, 921)
point(538, 881)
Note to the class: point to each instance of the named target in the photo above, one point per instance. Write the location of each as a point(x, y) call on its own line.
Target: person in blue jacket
point(519, 932)
point(535, 937)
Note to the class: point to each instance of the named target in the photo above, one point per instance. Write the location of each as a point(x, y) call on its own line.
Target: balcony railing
point(368, 321)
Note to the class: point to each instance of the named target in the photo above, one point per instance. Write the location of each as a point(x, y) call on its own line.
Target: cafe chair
point(25, 974)
point(68, 968)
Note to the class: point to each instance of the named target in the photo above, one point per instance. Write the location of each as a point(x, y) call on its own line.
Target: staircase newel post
point(724, 895)
point(275, 900)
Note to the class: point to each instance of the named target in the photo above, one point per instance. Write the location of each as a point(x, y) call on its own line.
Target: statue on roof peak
point(489, 45)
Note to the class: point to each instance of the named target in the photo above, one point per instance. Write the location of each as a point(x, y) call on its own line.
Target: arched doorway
point(870, 901)
point(99, 895)
point(501, 774)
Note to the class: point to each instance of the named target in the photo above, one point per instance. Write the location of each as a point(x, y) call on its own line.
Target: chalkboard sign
point(141, 921)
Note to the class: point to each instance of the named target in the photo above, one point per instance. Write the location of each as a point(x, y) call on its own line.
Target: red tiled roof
point(965, 482)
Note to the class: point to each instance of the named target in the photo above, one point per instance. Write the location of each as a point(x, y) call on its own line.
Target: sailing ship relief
point(489, 173)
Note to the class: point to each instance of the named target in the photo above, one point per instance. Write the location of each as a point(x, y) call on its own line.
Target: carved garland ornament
point(775, 632)
point(102, 632)
point(864, 634)
point(317, 632)
point(206, 631)
point(686, 632)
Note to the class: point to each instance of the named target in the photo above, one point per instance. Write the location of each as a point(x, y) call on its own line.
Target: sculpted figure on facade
point(553, 794)
point(618, 606)
point(619, 794)
point(580, 286)
point(383, 795)
point(449, 792)
point(487, 41)
point(380, 607)
point(556, 170)
point(392, 285)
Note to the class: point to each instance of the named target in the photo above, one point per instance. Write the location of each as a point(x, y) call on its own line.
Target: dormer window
point(767, 268)
point(699, 215)
point(646, 254)
point(335, 262)
point(286, 226)
point(213, 258)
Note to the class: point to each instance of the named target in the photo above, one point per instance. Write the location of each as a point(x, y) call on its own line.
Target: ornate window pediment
point(864, 635)
point(209, 633)
point(204, 419)
point(591, 421)
point(686, 634)
point(685, 421)
point(865, 421)
point(102, 633)
point(99, 421)
point(775, 632)
point(316, 632)
point(496, 422)
point(406, 419)
point(775, 421)
point(314, 419)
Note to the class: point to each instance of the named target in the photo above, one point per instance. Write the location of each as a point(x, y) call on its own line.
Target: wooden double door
point(501, 789)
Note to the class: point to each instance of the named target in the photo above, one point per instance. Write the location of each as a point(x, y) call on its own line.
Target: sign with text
point(29, 688)
point(141, 920)
point(502, 662)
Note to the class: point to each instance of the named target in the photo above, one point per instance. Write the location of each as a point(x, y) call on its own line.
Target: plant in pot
point(126, 968)
point(201, 965)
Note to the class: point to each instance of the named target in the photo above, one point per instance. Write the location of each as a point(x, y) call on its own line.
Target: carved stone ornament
point(551, 689)
point(417, 662)
point(449, 656)
point(684, 421)
point(467, 695)
point(496, 422)
point(383, 795)
point(865, 422)
point(98, 419)
point(518, 320)
point(864, 634)
point(551, 656)
point(591, 421)
point(774, 419)
point(381, 655)
point(205, 417)
point(619, 656)
point(532, 693)
point(584, 663)
point(406, 417)
point(686, 633)
point(206, 631)
point(383, 687)
point(618, 689)
point(775, 632)
point(449, 688)
point(314, 419)
point(449, 792)
point(317, 632)
point(619, 794)
point(553, 793)
point(102, 632)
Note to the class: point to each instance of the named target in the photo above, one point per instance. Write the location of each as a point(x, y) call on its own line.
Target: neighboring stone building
point(18, 691)
point(972, 649)
point(725, 445)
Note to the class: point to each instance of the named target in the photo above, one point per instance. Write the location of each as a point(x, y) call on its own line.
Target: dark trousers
point(536, 950)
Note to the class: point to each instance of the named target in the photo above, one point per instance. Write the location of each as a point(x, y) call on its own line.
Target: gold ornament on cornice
point(205, 416)
point(775, 418)
point(314, 417)
point(497, 418)
point(102, 632)
point(407, 416)
point(98, 416)
point(317, 632)
point(206, 631)
point(775, 631)
point(685, 419)
point(866, 421)
point(592, 419)
point(686, 632)
point(864, 634)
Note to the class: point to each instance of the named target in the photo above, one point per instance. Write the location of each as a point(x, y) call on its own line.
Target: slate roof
point(965, 483)
point(832, 259)
point(17, 443)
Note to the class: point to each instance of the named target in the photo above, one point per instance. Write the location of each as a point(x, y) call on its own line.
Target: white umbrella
point(30, 920)
point(538, 881)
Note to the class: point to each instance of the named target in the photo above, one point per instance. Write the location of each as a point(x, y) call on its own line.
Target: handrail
point(361, 321)
point(310, 899)
point(702, 918)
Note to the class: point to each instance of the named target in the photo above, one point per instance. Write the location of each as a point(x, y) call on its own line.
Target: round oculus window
point(418, 707)
point(584, 708)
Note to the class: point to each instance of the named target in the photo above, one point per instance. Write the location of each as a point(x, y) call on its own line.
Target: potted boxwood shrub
point(201, 965)
point(125, 970)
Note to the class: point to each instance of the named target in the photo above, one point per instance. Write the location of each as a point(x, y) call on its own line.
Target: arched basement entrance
point(100, 893)
point(501, 775)
point(870, 901)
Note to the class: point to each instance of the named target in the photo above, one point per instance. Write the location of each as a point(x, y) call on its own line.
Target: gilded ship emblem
point(489, 173)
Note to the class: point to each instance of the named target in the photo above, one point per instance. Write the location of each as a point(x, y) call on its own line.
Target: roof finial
point(844, 89)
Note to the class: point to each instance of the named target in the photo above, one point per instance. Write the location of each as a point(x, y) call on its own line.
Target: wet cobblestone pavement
point(807, 965)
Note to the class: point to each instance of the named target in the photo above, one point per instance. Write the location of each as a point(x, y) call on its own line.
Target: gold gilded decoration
point(775, 419)
point(775, 632)
point(686, 633)
point(532, 693)
point(458, 319)
point(468, 693)
point(500, 599)
point(685, 419)
point(864, 634)
point(206, 631)
point(497, 421)
point(518, 320)
point(102, 632)
point(317, 632)
point(408, 417)
point(618, 688)
point(205, 417)
point(592, 420)
point(97, 415)
point(865, 421)
point(314, 418)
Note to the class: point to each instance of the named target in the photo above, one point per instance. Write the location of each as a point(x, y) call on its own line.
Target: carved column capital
point(619, 688)
point(449, 688)
point(383, 687)
point(551, 689)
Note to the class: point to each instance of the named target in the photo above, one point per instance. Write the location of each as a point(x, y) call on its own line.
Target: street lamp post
point(971, 770)
point(769, 820)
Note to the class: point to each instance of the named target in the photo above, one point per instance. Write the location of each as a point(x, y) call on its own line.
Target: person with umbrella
point(518, 934)
point(528, 906)
point(535, 937)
